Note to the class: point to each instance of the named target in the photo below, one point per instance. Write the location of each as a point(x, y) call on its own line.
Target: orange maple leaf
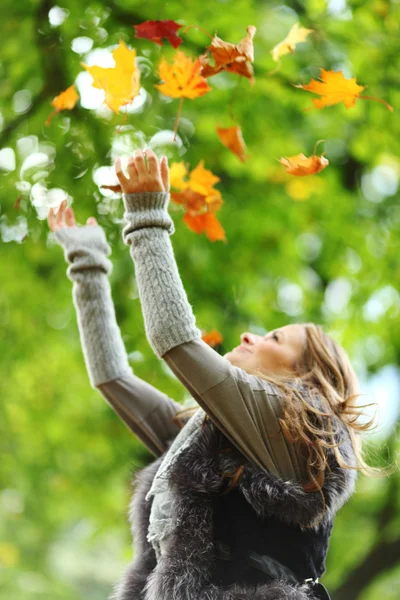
point(335, 88)
point(207, 223)
point(300, 165)
point(182, 79)
point(198, 197)
point(235, 58)
point(202, 179)
point(190, 200)
point(66, 100)
point(213, 338)
point(232, 138)
point(120, 83)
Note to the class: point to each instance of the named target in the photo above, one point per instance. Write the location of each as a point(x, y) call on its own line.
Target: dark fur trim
point(185, 571)
point(134, 578)
point(272, 496)
point(276, 590)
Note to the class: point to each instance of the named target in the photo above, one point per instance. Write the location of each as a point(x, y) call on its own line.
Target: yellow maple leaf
point(178, 171)
point(201, 180)
point(120, 83)
point(182, 78)
point(295, 36)
point(333, 88)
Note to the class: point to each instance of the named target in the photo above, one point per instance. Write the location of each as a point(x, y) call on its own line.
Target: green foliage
point(323, 248)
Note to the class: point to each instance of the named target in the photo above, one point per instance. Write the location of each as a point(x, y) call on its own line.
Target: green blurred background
point(323, 248)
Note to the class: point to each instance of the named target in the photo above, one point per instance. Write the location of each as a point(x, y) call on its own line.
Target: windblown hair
point(323, 389)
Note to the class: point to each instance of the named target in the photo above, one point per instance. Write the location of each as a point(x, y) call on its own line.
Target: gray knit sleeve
point(168, 316)
point(86, 250)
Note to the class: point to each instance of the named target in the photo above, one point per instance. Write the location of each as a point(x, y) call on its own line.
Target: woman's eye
point(275, 337)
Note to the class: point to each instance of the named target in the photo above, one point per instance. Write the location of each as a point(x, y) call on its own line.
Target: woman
point(241, 498)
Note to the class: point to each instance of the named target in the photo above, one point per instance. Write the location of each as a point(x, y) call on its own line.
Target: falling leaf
point(113, 188)
point(300, 165)
point(66, 100)
point(182, 78)
point(232, 138)
point(213, 338)
point(198, 198)
point(190, 200)
point(234, 58)
point(207, 223)
point(120, 83)
point(177, 172)
point(202, 179)
point(295, 36)
point(334, 88)
point(156, 30)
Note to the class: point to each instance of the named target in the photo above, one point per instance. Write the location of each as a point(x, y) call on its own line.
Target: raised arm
point(245, 409)
point(146, 411)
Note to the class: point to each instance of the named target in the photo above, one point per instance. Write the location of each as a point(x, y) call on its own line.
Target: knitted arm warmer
point(168, 316)
point(86, 250)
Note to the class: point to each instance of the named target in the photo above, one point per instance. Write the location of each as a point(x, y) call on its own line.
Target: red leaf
point(155, 30)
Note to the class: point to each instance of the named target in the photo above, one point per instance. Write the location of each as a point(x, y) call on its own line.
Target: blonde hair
point(324, 373)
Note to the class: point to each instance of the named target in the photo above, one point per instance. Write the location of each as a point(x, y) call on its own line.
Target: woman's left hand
point(154, 178)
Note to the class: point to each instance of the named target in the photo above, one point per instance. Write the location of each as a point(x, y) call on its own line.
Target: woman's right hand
point(65, 218)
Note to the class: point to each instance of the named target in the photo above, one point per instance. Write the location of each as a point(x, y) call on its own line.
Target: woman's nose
point(248, 338)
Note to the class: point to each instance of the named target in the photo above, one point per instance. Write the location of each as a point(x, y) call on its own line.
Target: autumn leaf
point(207, 223)
point(300, 165)
point(182, 79)
point(66, 100)
point(295, 36)
point(190, 200)
point(213, 338)
point(156, 30)
point(201, 179)
point(234, 58)
point(335, 88)
point(232, 138)
point(197, 191)
point(177, 172)
point(120, 83)
point(198, 198)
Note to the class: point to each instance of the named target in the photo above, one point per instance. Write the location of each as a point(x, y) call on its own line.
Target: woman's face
point(276, 352)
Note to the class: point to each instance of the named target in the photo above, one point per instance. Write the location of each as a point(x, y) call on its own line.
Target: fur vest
point(262, 513)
